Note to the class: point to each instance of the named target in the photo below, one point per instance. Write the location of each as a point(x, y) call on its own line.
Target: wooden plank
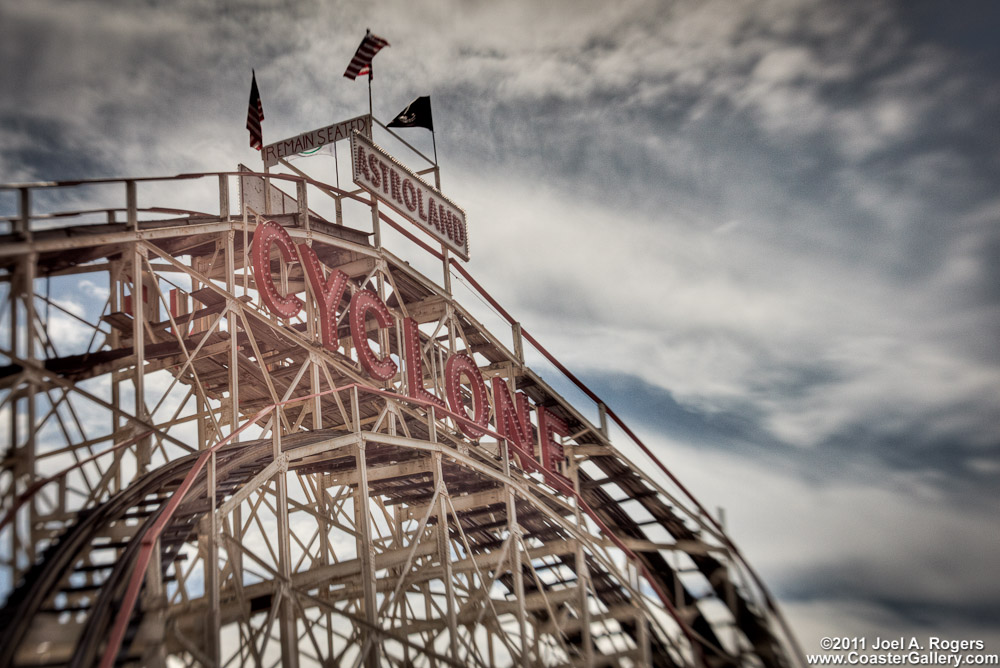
point(467, 502)
point(375, 473)
point(120, 321)
point(426, 310)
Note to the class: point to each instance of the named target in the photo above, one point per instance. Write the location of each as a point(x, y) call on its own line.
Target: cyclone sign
point(462, 377)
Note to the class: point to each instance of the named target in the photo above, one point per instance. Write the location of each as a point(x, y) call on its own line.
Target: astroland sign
point(423, 205)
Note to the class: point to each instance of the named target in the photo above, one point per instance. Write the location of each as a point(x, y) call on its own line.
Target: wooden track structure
point(190, 480)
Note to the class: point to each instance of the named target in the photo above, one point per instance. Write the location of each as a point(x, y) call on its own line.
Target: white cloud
point(711, 321)
point(91, 289)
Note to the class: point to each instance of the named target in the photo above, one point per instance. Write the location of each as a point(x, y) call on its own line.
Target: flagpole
point(445, 255)
point(371, 70)
point(376, 229)
point(437, 173)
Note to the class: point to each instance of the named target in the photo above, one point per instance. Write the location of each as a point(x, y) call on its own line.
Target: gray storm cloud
point(779, 219)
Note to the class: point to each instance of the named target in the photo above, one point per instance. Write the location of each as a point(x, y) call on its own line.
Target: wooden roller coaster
point(192, 477)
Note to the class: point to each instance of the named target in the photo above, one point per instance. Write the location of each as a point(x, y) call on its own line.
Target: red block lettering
point(415, 365)
point(285, 306)
point(362, 302)
point(512, 423)
point(327, 294)
point(549, 427)
point(458, 365)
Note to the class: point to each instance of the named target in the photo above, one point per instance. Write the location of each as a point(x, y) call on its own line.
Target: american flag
point(362, 61)
point(255, 114)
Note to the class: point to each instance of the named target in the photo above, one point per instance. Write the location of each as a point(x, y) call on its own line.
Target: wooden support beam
point(366, 554)
point(429, 309)
point(375, 473)
point(468, 502)
point(444, 556)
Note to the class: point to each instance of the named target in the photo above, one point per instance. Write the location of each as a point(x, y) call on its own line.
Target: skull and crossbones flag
point(417, 114)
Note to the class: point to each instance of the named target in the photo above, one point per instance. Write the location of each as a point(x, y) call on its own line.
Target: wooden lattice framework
point(196, 481)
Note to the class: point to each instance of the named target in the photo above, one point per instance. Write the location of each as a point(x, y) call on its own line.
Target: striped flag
point(361, 63)
point(255, 114)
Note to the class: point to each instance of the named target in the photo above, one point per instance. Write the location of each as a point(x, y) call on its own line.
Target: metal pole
point(371, 69)
point(437, 173)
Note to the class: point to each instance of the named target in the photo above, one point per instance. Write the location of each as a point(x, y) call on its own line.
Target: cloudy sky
point(767, 233)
